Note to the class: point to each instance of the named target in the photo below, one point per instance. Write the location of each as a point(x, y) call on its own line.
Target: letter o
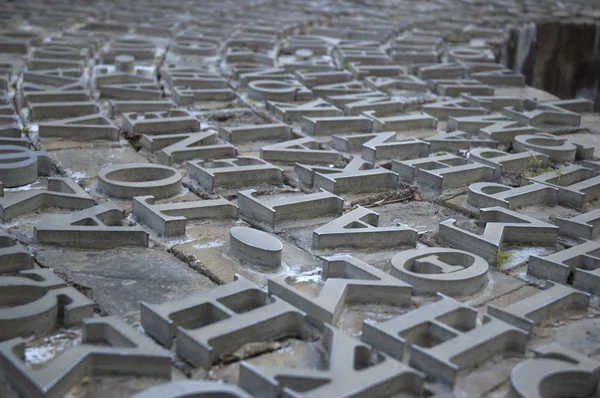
point(125, 181)
point(433, 270)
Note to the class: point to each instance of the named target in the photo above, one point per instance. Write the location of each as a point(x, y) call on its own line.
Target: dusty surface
point(117, 280)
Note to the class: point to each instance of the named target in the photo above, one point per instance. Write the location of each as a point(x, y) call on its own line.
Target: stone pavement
point(294, 199)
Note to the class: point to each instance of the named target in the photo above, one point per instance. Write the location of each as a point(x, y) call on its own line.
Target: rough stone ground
point(118, 279)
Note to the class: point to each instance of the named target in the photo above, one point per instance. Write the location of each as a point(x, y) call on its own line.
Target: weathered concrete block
point(274, 211)
point(576, 185)
point(116, 108)
point(438, 270)
point(351, 87)
point(360, 229)
point(6, 74)
point(332, 125)
point(5, 101)
point(255, 248)
point(13, 256)
point(304, 150)
point(318, 78)
point(585, 226)
point(558, 149)
point(415, 56)
point(273, 74)
point(512, 163)
point(125, 63)
point(552, 301)
point(372, 56)
point(503, 77)
point(274, 90)
point(138, 179)
point(389, 146)
point(400, 123)
point(501, 226)
point(443, 110)
point(361, 71)
point(455, 141)
point(122, 73)
point(170, 219)
point(312, 65)
point(123, 351)
point(237, 172)
point(381, 146)
point(303, 54)
point(194, 77)
point(61, 110)
point(54, 77)
point(241, 38)
point(562, 112)
point(348, 372)
point(188, 96)
point(472, 31)
point(243, 61)
point(418, 39)
point(7, 109)
point(356, 177)
point(176, 148)
point(290, 112)
point(112, 27)
point(201, 48)
point(573, 104)
point(11, 135)
point(98, 227)
point(471, 54)
point(491, 102)
point(8, 120)
point(140, 49)
point(576, 265)
point(443, 71)
point(57, 96)
point(487, 194)
point(454, 88)
point(81, 38)
point(173, 121)
point(256, 132)
point(36, 302)
point(591, 164)
point(14, 44)
point(212, 324)
point(444, 338)
point(21, 166)
point(441, 172)
point(381, 103)
point(61, 192)
point(346, 281)
point(478, 124)
point(82, 128)
point(314, 43)
point(390, 84)
point(78, 85)
point(132, 91)
point(555, 370)
point(55, 51)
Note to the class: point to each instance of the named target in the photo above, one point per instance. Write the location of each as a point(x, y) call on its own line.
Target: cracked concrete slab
point(150, 275)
